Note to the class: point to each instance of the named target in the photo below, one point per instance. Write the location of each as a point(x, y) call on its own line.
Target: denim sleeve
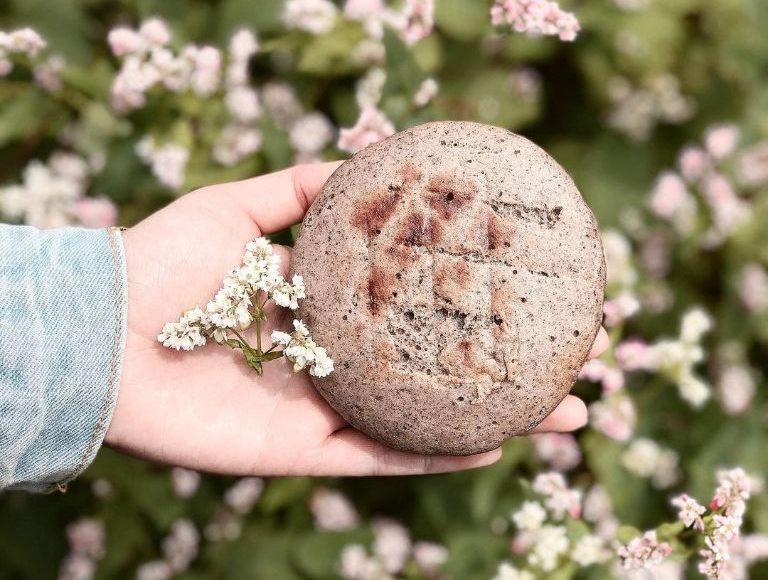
point(62, 332)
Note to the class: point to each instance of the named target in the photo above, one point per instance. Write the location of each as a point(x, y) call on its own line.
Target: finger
point(570, 414)
point(350, 452)
point(602, 342)
point(278, 200)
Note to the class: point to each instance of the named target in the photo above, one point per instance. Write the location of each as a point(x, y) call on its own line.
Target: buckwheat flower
point(174, 71)
point(417, 20)
point(323, 364)
point(689, 511)
point(243, 44)
point(618, 258)
point(391, 544)
point(313, 16)
point(371, 13)
point(753, 287)
point(693, 162)
point(356, 564)
point(129, 87)
point(721, 140)
point(693, 389)
point(243, 104)
point(332, 510)
point(426, 92)
point(372, 126)
point(288, 295)
point(281, 338)
point(24, 40)
point(614, 417)
point(185, 482)
point(95, 212)
point(282, 104)
point(6, 66)
point(311, 133)
point(632, 355)
point(369, 52)
point(168, 162)
point(77, 567)
point(123, 41)
point(235, 143)
point(619, 309)
point(535, 17)
point(671, 201)
point(244, 494)
point(753, 164)
point(369, 87)
point(86, 537)
point(588, 550)
point(154, 570)
point(559, 450)
point(507, 571)
point(155, 32)
point(429, 557)
point(560, 499)
point(734, 488)
point(181, 545)
point(550, 542)
point(736, 389)
point(647, 459)
point(530, 516)
point(48, 73)
point(230, 308)
point(643, 552)
point(226, 525)
point(696, 322)
point(206, 74)
point(186, 334)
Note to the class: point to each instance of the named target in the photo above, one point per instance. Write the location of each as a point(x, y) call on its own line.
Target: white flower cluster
point(240, 138)
point(643, 552)
point(637, 110)
point(649, 460)
point(722, 525)
point(536, 18)
point(238, 304)
point(23, 41)
point(301, 350)
point(391, 551)
point(147, 62)
point(168, 161)
point(544, 539)
point(87, 545)
point(53, 195)
point(705, 171)
point(372, 126)
point(332, 510)
point(180, 547)
point(560, 450)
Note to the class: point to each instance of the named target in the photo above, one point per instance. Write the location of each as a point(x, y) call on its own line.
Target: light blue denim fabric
point(62, 332)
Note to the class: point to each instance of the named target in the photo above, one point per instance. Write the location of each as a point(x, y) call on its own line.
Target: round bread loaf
point(455, 275)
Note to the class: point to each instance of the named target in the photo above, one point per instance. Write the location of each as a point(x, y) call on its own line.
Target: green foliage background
point(718, 51)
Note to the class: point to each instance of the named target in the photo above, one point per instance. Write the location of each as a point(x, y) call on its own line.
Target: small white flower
point(243, 104)
point(588, 550)
point(313, 16)
point(281, 338)
point(530, 516)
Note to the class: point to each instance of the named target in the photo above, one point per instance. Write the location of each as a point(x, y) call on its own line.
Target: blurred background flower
point(110, 109)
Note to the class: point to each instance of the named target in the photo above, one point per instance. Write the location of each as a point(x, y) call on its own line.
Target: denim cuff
point(62, 333)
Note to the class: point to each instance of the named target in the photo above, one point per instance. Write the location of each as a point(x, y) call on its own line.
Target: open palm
point(206, 409)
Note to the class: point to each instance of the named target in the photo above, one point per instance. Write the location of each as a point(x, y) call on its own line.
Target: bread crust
point(456, 276)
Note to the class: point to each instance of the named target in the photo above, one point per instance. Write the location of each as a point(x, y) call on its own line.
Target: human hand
point(206, 409)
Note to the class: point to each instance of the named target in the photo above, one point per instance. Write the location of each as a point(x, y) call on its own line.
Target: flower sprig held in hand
point(239, 304)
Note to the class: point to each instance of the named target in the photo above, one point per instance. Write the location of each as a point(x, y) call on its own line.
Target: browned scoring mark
point(413, 230)
point(402, 256)
point(435, 230)
point(462, 359)
point(451, 275)
point(410, 174)
point(500, 233)
point(375, 211)
point(447, 193)
point(380, 284)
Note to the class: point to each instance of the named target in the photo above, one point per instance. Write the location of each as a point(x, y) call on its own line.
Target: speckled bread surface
point(455, 275)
